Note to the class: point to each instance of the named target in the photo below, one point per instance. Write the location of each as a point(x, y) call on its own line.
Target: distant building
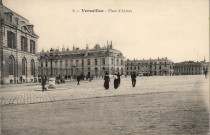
point(70, 63)
point(18, 45)
point(191, 68)
point(152, 67)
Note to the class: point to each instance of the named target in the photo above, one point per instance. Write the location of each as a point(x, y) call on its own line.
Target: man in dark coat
point(205, 73)
point(21, 79)
point(44, 79)
point(78, 79)
point(133, 79)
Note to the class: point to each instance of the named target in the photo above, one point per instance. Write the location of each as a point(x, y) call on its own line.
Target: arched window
point(32, 67)
point(24, 66)
point(11, 65)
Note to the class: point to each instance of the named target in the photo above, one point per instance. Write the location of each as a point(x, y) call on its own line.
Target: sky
point(176, 29)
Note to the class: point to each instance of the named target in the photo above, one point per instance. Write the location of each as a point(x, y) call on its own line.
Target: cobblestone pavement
point(31, 93)
point(157, 105)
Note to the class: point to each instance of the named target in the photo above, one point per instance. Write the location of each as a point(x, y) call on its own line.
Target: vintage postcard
point(104, 67)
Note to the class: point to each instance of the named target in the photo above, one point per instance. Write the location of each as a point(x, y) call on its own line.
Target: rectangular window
point(71, 62)
point(103, 61)
point(46, 64)
point(77, 62)
point(88, 61)
point(82, 62)
point(11, 40)
point(112, 61)
point(56, 64)
point(32, 46)
point(66, 62)
point(24, 44)
point(96, 62)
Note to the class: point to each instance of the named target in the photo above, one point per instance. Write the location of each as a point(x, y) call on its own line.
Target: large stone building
point(70, 63)
point(149, 67)
point(18, 45)
point(190, 68)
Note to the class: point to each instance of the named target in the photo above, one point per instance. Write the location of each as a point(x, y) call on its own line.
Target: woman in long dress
point(116, 81)
point(106, 81)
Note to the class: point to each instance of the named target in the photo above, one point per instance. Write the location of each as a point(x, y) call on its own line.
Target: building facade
point(70, 63)
point(191, 68)
point(18, 48)
point(150, 67)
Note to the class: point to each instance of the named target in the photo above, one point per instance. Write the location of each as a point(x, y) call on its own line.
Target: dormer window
point(10, 18)
point(16, 20)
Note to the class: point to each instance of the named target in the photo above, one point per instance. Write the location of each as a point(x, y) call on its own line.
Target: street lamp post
point(52, 79)
point(51, 60)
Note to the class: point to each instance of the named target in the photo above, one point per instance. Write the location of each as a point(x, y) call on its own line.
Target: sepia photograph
point(104, 67)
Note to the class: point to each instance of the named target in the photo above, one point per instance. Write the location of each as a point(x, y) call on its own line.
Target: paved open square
point(157, 105)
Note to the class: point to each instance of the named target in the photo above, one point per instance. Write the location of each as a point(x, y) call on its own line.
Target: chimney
point(166, 58)
point(63, 49)
point(73, 48)
point(87, 47)
point(111, 45)
point(158, 58)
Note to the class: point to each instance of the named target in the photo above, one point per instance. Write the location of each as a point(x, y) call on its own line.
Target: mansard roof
point(149, 60)
point(84, 52)
point(12, 18)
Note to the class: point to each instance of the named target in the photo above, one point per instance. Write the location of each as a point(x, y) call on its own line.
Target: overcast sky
point(177, 29)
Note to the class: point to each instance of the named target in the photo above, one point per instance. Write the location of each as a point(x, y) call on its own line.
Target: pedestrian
point(205, 73)
point(78, 79)
point(133, 79)
point(106, 81)
point(116, 81)
point(118, 77)
point(43, 83)
point(21, 79)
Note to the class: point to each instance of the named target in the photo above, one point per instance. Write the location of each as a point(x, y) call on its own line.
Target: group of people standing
point(117, 80)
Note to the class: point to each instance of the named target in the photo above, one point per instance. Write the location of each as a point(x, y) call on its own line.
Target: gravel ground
point(177, 107)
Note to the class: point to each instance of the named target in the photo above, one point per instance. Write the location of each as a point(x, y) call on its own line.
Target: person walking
point(21, 79)
point(106, 81)
point(133, 79)
point(205, 73)
point(44, 79)
point(118, 77)
point(78, 79)
point(116, 81)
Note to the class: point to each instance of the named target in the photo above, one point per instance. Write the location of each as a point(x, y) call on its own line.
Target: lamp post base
point(51, 83)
